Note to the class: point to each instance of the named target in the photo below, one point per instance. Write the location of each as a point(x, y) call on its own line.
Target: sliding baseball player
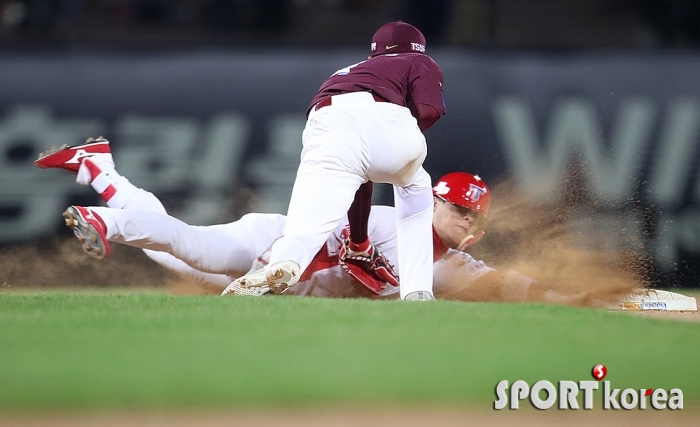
point(214, 256)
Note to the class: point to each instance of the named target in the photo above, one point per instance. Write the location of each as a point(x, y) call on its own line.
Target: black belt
point(325, 102)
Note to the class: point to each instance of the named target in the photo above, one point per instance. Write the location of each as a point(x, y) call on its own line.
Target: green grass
point(130, 351)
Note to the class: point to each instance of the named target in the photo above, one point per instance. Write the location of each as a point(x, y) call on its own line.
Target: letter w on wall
point(610, 169)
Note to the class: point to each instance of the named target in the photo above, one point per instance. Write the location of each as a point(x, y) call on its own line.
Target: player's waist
point(349, 97)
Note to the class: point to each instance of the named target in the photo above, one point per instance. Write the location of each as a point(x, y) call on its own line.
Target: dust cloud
point(59, 262)
point(570, 265)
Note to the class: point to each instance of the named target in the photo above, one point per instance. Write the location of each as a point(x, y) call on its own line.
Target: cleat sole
point(88, 236)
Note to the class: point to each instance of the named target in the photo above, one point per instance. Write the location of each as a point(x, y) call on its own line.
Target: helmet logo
point(475, 192)
point(441, 189)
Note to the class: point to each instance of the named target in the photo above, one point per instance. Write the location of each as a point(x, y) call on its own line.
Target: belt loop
point(325, 102)
point(378, 98)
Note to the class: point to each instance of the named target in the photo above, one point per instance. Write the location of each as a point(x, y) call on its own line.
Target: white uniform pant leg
point(187, 273)
point(330, 172)
point(128, 196)
point(139, 199)
point(397, 150)
point(227, 249)
point(397, 147)
point(414, 215)
point(320, 200)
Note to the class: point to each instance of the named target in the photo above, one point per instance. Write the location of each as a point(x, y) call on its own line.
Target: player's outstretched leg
point(90, 229)
point(275, 278)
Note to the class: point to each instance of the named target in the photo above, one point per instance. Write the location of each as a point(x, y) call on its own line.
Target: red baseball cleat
point(90, 229)
point(71, 157)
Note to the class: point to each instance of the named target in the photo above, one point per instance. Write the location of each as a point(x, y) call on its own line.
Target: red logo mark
point(648, 392)
point(599, 372)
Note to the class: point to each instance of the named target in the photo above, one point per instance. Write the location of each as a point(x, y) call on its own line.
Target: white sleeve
point(457, 268)
point(457, 273)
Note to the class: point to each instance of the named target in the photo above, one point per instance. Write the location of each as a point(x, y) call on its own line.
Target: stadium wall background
point(199, 123)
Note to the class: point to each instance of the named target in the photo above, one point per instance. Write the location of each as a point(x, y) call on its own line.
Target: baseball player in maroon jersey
point(212, 256)
point(364, 124)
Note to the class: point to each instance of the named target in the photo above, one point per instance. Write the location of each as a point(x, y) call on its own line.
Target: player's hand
point(370, 268)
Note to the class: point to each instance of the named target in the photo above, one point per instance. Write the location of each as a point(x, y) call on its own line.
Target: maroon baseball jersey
point(399, 78)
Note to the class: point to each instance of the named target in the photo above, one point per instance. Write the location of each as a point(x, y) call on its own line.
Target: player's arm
point(426, 101)
point(375, 271)
point(458, 276)
point(425, 114)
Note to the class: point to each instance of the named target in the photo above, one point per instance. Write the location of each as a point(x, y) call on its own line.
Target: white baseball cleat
point(90, 229)
point(275, 278)
point(71, 157)
point(419, 296)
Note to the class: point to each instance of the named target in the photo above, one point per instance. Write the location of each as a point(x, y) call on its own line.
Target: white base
point(652, 299)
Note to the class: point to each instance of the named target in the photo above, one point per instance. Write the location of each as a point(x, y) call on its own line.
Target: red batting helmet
point(398, 37)
point(464, 189)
